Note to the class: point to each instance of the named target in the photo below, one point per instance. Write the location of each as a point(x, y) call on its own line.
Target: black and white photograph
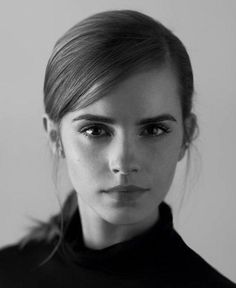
point(117, 146)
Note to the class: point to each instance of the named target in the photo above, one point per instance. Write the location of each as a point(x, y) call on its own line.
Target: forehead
point(147, 93)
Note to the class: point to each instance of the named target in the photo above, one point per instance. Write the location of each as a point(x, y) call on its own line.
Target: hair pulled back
point(99, 52)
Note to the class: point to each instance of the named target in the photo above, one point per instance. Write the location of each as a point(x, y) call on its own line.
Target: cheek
point(83, 162)
point(164, 160)
point(163, 171)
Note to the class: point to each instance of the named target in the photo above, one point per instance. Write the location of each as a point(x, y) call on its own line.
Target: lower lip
point(126, 196)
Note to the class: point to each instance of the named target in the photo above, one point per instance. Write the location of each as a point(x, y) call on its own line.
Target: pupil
point(153, 130)
point(97, 130)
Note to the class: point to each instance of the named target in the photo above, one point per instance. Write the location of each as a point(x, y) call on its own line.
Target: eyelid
point(159, 124)
point(166, 128)
point(94, 125)
point(108, 131)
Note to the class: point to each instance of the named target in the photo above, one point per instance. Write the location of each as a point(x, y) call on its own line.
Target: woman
point(118, 109)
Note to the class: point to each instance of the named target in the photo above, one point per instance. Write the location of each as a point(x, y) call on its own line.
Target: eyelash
point(164, 128)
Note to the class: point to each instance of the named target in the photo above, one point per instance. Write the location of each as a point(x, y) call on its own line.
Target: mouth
point(126, 195)
point(126, 189)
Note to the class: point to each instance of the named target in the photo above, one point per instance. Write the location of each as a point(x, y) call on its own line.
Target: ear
point(190, 126)
point(182, 153)
point(53, 135)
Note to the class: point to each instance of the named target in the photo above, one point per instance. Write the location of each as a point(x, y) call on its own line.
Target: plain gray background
point(28, 31)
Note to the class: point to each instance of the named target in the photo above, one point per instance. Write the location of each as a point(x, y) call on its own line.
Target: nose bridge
point(124, 154)
point(124, 148)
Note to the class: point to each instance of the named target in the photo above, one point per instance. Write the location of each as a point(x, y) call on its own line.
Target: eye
point(155, 130)
point(95, 131)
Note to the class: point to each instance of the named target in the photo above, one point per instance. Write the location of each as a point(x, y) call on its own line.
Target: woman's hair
point(99, 52)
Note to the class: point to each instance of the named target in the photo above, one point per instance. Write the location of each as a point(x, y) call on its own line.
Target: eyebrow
point(98, 118)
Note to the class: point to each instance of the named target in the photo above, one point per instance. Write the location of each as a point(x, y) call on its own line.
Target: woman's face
point(137, 141)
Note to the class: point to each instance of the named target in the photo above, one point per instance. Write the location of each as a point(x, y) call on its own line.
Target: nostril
point(135, 170)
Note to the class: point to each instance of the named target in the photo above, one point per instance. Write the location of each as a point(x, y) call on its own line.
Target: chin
point(126, 216)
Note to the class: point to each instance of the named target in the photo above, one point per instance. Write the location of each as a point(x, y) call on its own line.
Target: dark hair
point(99, 52)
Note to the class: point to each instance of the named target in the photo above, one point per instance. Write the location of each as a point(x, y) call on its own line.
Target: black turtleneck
point(156, 258)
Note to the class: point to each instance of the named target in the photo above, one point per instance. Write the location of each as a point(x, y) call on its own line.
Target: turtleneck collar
point(131, 255)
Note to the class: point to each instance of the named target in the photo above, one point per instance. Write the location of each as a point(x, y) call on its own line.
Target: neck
point(99, 233)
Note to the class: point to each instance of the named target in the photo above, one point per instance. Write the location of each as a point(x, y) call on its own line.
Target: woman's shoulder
point(36, 255)
point(21, 266)
point(196, 267)
point(15, 254)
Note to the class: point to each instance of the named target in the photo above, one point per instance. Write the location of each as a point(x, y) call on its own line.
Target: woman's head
point(125, 66)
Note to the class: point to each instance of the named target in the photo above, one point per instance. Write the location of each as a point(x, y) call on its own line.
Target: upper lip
point(123, 188)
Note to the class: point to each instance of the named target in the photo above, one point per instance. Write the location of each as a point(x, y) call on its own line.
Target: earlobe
point(51, 130)
point(181, 153)
point(190, 126)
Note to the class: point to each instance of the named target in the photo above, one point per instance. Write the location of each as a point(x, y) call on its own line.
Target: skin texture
point(100, 156)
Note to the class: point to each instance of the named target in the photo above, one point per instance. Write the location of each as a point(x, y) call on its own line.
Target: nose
point(124, 157)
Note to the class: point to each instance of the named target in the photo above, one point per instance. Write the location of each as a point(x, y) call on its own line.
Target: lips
point(128, 189)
